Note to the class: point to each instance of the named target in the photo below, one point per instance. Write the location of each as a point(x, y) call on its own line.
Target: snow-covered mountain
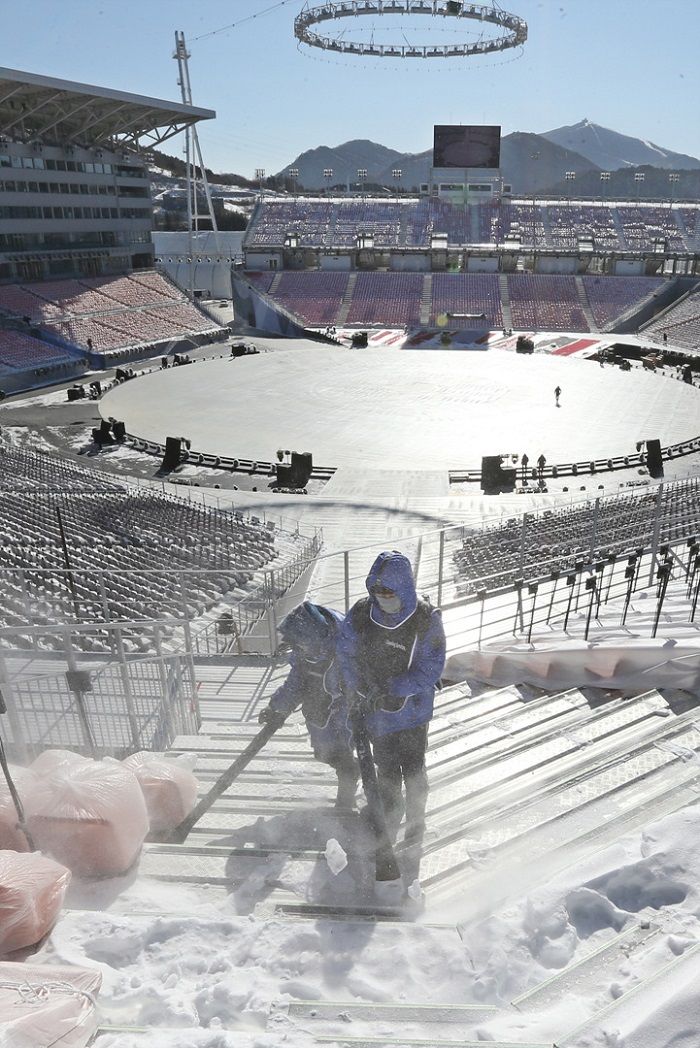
point(611, 150)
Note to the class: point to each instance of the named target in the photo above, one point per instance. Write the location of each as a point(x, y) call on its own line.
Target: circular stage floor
point(406, 410)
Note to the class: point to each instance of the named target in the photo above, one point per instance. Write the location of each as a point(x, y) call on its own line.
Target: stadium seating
point(386, 298)
point(467, 293)
point(410, 223)
point(644, 224)
point(610, 297)
point(545, 304)
point(314, 297)
point(113, 312)
point(495, 556)
point(681, 323)
point(110, 530)
point(20, 351)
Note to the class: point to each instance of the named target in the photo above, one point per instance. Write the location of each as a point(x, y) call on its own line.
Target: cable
point(248, 18)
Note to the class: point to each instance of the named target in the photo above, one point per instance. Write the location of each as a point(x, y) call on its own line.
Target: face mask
point(389, 605)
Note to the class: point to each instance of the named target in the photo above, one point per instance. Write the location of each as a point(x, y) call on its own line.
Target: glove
point(273, 717)
point(369, 699)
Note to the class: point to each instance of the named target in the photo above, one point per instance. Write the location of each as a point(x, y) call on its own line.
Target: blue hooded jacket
point(396, 658)
point(312, 631)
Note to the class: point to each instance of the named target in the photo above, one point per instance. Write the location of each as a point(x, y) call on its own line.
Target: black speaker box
point(508, 478)
point(173, 450)
point(285, 476)
point(655, 463)
point(106, 430)
point(119, 430)
point(302, 465)
point(491, 472)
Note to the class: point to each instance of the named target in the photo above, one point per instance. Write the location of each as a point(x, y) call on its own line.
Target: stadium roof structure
point(42, 107)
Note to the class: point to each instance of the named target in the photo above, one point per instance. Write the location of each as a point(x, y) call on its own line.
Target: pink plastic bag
point(52, 760)
point(11, 837)
point(90, 815)
point(169, 787)
point(42, 1006)
point(32, 888)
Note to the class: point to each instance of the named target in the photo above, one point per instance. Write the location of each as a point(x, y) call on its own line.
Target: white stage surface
point(406, 410)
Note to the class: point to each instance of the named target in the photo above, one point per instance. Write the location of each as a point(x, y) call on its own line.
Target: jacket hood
point(393, 571)
point(312, 627)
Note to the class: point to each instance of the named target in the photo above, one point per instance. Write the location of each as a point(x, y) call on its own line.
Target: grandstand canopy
point(42, 107)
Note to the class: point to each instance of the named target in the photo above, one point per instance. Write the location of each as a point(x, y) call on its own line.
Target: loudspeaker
point(173, 450)
point(302, 465)
point(491, 472)
point(119, 430)
point(98, 436)
point(655, 463)
point(285, 476)
point(508, 478)
point(494, 478)
point(106, 431)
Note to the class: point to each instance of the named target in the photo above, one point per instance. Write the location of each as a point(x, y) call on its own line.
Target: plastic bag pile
point(91, 819)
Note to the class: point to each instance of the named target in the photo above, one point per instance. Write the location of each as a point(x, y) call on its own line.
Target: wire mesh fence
point(96, 706)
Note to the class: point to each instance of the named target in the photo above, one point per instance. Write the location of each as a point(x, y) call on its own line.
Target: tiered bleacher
point(410, 223)
point(494, 557)
point(19, 352)
point(545, 304)
point(114, 314)
point(386, 298)
point(538, 301)
point(642, 226)
point(610, 297)
point(133, 554)
point(314, 297)
point(681, 323)
point(466, 293)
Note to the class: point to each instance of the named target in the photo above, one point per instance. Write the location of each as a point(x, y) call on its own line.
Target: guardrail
point(111, 705)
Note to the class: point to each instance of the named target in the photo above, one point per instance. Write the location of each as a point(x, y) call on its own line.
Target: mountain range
point(531, 163)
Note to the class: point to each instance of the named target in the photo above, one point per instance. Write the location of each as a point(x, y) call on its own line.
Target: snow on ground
point(214, 978)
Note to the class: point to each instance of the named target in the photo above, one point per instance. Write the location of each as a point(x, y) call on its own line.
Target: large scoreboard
point(467, 145)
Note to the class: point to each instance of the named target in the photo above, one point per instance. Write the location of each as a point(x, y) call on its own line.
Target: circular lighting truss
point(515, 28)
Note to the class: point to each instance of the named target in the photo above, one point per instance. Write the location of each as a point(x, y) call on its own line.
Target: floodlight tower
point(193, 156)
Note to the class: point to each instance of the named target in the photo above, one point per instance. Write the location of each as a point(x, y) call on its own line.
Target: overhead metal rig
point(514, 36)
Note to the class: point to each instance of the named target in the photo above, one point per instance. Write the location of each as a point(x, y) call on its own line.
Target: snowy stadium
point(534, 452)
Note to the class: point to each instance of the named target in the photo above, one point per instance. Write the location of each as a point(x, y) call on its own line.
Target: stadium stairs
point(505, 301)
point(521, 781)
point(426, 300)
point(347, 300)
point(583, 302)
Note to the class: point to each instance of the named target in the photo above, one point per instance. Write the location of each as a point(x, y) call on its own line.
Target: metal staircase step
point(588, 969)
point(392, 1012)
point(575, 1037)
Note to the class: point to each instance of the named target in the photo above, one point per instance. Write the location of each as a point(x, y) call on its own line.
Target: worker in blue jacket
point(314, 683)
point(392, 654)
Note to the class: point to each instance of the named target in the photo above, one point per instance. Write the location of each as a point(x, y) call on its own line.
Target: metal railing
point(96, 705)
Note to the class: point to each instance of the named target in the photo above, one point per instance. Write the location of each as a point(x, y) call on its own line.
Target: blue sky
point(631, 65)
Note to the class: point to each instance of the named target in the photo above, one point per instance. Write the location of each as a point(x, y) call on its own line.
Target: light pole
point(639, 177)
point(362, 173)
point(396, 175)
point(605, 178)
point(673, 179)
point(259, 175)
point(294, 174)
point(328, 175)
point(570, 177)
